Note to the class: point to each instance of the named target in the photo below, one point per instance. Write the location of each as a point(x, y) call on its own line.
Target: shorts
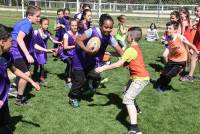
point(22, 65)
point(134, 87)
point(4, 115)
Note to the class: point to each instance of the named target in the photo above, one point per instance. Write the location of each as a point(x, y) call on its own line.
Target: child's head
point(60, 13)
point(73, 25)
point(87, 15)
point(33, 13)
point(106, 24)
point(184, 13)
point(85, 6)
point(122, 18)
point(5, 38)
point(172, 27)
point(66, 12)
point(134, 34)
point(153, 26)
point(44, 23)
point(175, 16)
point(197, 11)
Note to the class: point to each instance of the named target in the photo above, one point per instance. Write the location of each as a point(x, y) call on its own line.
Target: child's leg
point(133, 89)
point(170, 71)
point(68, 69)
point(194, 60)
point(41, 73)
point(78, 81)
point(35, 72)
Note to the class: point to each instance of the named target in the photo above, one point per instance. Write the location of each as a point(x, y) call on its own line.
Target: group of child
point(84, 65)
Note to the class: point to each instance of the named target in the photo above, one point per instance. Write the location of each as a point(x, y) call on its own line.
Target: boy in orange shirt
point(139, 76)
point(177, 56)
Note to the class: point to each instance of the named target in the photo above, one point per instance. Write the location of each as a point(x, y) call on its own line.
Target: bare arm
point(55, 41)
point(186, 42)
point(123, 29)
point(118, 49)
point(38, 47)
point(20, 41)
point(24, 76)
point(66, 46)
point(117, 64)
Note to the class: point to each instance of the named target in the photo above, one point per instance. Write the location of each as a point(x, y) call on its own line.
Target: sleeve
point(88, 33)
point(129, 54)
point(65, 36)
point(113, 41)
point(26, 28)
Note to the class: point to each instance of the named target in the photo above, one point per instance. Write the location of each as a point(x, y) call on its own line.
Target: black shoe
point(135, 131)
point(22, 102)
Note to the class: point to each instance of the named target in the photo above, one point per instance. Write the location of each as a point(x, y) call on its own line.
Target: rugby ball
point(94, 44)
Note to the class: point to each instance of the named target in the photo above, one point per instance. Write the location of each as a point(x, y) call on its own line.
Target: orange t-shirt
point(197, 37)
point(177, 50)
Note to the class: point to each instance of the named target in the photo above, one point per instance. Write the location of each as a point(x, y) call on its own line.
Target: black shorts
point(22, 65)
point(4, 115)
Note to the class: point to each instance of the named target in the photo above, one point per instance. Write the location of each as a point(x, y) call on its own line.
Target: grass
point(174, 112)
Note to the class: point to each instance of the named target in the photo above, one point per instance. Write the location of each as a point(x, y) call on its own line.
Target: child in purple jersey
point(6, 62)
point(41, 37)
point(83, 6)
point(22, 47)
point(68, 49)
point(85, 21)
point(90, 59)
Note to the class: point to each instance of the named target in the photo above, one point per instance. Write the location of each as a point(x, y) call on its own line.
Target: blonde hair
point(31, 10)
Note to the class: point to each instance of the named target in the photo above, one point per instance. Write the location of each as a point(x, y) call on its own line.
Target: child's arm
point(157, 36)
point(25, 77)
point(66, 46)
point(20, 41)
point(55, 41)
point(123, 29)
point(38, 47)
point(117, 64)
point(186, 42)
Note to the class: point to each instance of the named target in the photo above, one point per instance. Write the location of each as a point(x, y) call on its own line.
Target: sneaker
point(68, 85)
point(187, 78)
point(134, 132)
point(13, 92)
point(43, 83)
point(159, 89)
point(105, 80)
point(22, 102)
point(74, 103)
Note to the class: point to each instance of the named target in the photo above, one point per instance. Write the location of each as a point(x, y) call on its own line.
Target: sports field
point(174, 112)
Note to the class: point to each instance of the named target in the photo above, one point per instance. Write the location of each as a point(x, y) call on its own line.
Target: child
point(177, 56)
point(5, 63)
point(66, 13)
point(85, 21)
point(82, 8)
point(68, 49)
point(121, 31)
point(22, 47)
point(174, 17)
point(41, 37)
point(152, 33)
point(84, 63)
point(196, 41)
point(139, 76)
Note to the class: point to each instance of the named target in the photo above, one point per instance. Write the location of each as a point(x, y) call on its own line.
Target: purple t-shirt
point(24, 26)
point(5, 62)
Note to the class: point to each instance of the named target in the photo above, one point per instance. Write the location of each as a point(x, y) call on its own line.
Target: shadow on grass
point(19, 118)
point(114, 99)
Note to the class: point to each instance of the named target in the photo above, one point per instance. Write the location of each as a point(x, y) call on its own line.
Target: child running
point(139, 76)
point(41, 37)
point(177, 56)
point(6, 61)
point(22, 47)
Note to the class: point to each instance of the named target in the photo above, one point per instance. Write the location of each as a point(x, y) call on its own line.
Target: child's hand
point(50, 50)
point(35, 85)
point(1, 103)
point(29, 58)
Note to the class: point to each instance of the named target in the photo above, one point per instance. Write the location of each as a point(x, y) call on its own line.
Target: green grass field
point(173, 112)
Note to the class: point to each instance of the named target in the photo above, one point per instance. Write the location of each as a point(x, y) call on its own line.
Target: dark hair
point(86, 5)
point(60, 10)
point(174, 24)
point(73, 20)
point(103, 18)
point(119, 18)
point(84, 13)
point(153, 24)
point(5, 32)
point(176, 13)
point(43, 19)
point(31, 10)
point(136, 33)
point(66, 9)
point(185, 11)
